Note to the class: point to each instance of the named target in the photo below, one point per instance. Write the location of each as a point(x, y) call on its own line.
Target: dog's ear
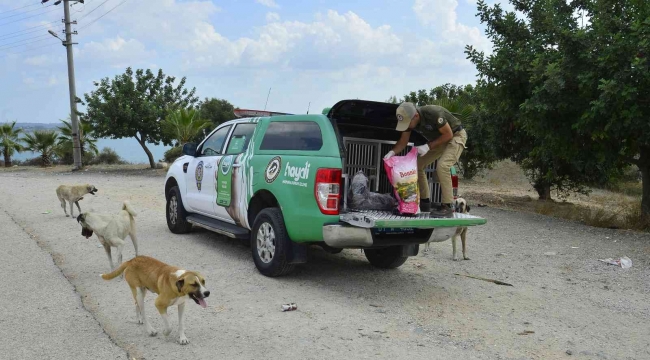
point(179, 284)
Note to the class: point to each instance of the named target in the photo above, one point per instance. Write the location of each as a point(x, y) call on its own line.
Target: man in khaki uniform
point(446, 142)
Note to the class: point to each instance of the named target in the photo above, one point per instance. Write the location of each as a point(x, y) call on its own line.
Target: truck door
point(201, 173)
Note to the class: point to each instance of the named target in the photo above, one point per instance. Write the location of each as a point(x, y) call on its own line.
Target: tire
point(175, 213)
point(386, 258)
point(270, 243)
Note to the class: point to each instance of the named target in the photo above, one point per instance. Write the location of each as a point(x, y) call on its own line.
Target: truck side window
point(212, 146)
point(240, 138)
point(293, 135)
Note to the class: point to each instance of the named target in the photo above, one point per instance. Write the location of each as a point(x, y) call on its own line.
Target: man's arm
point(402, 142)
point(445, 130)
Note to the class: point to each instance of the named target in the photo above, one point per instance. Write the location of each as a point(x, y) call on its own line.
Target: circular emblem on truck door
point(198, 175)
point(226, 162)
point(273, 169)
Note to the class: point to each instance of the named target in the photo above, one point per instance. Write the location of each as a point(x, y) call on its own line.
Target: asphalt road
point(564, 304)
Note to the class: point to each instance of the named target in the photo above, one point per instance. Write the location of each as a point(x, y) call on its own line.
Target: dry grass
point(506, 187)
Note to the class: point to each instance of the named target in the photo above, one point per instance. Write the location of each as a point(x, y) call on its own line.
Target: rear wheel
point(270, 243)
point(386, 258)
point(176, 214)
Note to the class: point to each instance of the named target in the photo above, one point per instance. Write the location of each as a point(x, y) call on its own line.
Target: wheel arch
point(169, 184)
point(261, 200)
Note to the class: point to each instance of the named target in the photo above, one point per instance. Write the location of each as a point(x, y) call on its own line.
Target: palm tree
point(9, 141)
point(183, 125)
point(43, 142)
point(86, 141)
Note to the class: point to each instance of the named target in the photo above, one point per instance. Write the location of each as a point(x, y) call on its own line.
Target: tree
point(530, 89)
point(183, 125)
point(618, 77)
point(9, 141)
point(217, 111)
point(64, 145)
point(43, 142)
point(462, 102)
point(135, 106)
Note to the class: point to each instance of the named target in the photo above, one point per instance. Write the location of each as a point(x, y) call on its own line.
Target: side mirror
point(189, 149)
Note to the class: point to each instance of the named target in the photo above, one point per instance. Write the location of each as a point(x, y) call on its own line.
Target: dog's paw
point(167, 332)
point(139, 321)
point(66, 215)
point(183, 341)
point(466, 258)
point(152, 332)
point(456, 259)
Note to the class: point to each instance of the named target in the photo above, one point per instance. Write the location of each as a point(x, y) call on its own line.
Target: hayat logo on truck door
point(295, 174)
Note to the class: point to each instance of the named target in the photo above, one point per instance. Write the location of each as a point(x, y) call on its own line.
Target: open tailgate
point(386, 219)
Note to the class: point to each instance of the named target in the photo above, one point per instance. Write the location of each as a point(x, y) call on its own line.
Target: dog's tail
point(127, 206)
point(115, 272)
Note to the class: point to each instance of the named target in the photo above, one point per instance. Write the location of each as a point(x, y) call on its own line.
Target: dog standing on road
point(461, 207)
point(173, 285)
point(111, 229)
point(73, 193)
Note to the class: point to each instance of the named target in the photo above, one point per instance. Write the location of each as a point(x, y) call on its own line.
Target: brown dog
point(173, 286)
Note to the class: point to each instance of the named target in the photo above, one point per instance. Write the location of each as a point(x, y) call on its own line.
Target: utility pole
point(76, 146)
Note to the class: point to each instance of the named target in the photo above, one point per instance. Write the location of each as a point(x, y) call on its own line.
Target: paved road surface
point(346, 309)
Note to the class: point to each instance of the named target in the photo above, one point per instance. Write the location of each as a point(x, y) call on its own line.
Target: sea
point(127, 148)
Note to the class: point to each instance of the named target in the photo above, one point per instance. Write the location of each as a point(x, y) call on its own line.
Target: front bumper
point(343, 235)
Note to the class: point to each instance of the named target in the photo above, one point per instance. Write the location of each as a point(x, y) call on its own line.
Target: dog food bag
point(402, 172)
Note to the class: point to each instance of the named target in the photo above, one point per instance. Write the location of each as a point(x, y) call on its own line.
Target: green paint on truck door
point(224, 178)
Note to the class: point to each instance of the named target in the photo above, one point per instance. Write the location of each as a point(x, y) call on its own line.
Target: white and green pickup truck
point(281, 182)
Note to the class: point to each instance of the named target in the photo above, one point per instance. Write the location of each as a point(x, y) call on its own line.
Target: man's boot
point(425, 205)
point(443, 211)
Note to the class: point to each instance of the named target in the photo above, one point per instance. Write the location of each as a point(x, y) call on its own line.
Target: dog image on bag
point(173, 285)
point(111, 229)
point(461, 207)
point(73, 193)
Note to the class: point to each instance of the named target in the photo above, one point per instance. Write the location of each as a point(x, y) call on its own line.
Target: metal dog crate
point(367, 155)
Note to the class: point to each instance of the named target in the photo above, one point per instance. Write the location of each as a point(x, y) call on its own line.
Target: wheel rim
point(173, 207)
point(266, 242)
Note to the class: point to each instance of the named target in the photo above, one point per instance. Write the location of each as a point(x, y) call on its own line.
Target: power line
point(18, 35)
point(25, 12)
point(90, 12)
point(4, 48)
point(21, 19)
point(33, 27)
point(106, 13)
point(31, 49)
point(18, 41)
point(22, 7)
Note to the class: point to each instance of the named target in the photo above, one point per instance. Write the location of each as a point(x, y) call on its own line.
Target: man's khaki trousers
point(447, 155)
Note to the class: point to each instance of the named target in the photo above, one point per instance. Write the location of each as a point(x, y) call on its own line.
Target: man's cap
point(405, 112)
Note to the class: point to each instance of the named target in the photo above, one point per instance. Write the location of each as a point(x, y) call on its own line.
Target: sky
point(310, 54)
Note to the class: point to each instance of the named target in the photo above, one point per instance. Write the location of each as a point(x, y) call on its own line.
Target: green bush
point(107, 156)
point(173, 154)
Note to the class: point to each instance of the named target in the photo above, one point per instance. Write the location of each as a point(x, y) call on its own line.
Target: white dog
point(73, 193)
point(461, 207)
point(111, 230)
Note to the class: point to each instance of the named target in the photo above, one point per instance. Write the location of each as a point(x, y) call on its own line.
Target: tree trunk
point(146, 150)
point(543, 190)
point(7, 159)
point(644, 166)
point(46, 160)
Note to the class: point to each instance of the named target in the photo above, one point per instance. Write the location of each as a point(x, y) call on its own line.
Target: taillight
point(328, 190)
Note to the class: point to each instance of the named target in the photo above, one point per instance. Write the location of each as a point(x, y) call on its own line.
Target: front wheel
point(176, 214)
point(270, 243)
point(386, 258)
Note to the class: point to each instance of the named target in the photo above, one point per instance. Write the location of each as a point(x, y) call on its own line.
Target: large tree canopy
point(134, 105)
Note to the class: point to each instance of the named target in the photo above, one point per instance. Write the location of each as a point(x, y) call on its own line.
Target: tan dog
point(73, 193)
point(173, 286)
point(461, 207)
point(111, 230)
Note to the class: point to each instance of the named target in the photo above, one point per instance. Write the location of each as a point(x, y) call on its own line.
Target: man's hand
point(389, 155)
point(423, 149)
